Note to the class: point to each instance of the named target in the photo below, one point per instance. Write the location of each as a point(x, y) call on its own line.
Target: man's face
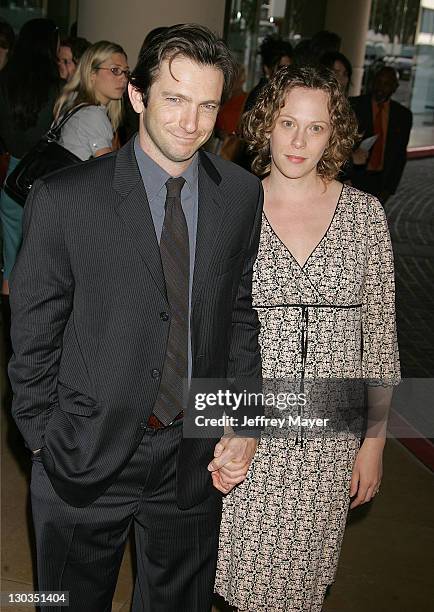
point(182, 108)
point(385, 84)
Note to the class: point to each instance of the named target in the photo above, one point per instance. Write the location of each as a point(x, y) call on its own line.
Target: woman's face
point(107, 85)
point(301, 132)
point(65, 62)
point(341, 74)
point(3, 56)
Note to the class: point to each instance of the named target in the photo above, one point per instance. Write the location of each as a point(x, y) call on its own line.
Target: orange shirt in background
point(230, 113)
point(381, 124)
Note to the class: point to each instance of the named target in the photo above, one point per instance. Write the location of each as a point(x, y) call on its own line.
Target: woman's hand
point(232, 457)
point(367, 471)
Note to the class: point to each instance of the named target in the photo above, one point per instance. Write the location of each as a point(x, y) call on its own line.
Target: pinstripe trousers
point(80, 549)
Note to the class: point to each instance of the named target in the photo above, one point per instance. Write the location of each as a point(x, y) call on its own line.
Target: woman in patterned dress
point(324, 290)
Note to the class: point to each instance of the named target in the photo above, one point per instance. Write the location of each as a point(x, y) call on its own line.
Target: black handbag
point(45, 157)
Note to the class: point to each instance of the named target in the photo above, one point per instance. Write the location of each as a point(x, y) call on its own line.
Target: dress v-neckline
point(288, 250)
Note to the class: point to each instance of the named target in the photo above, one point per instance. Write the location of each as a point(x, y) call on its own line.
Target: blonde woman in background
point(99, 82)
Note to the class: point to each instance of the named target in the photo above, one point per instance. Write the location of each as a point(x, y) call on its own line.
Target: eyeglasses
point(116, 71)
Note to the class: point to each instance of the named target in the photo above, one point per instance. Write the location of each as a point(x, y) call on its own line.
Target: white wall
point(127, 22)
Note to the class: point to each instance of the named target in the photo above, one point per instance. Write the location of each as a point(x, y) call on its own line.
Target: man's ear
point(136, 99)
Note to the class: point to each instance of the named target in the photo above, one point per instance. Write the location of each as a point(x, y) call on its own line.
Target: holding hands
point(232, 458)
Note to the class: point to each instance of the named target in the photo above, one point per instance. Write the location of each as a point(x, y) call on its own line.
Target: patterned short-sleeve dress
point(282, 528)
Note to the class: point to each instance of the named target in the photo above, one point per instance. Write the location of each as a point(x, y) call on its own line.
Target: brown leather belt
point(155, 423)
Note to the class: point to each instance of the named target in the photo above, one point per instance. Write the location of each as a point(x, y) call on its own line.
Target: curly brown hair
point(259, 122)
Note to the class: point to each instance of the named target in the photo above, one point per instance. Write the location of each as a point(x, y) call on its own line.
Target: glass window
point(401, 35)
point(427, 21)
point(62, 12)
point(250, 21)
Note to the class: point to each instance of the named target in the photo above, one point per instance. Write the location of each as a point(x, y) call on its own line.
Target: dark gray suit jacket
point(398, 134)
point(89, 329)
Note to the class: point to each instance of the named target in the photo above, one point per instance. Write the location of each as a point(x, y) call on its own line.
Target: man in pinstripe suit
point(97, 333)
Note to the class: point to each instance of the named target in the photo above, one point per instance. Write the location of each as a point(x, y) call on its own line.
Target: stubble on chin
point(180, 153)
point(177, 156)
point(168, 146)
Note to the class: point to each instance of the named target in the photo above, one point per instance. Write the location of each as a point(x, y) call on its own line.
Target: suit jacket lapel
point(392, 118)
point(133, 209)
point(210, 216)
point(390, 144)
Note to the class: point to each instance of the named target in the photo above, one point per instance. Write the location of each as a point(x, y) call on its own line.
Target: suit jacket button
point(142, 425)
point(164, 316)
point(155, 373)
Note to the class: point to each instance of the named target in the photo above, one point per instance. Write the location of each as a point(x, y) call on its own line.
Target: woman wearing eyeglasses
point(99, 83)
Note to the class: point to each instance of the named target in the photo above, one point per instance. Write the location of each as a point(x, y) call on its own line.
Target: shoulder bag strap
point(57, 125)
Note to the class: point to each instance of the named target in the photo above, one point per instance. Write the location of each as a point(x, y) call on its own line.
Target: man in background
point(379, 171)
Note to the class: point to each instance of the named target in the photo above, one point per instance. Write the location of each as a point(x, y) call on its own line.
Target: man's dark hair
point(192, 41)
point(77, 45)
point(324, 42)
point(302, 52)
point(150, 37)
point(388, 70)
point(311, 50)
point(272, 50)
